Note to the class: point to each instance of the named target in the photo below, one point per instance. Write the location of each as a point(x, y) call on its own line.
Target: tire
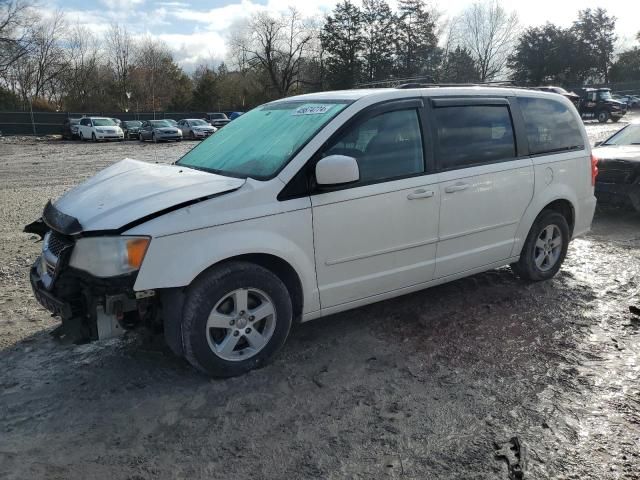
point(217, 289)
point(192, 135)
point(602, 116)
point(81, 137)
point(529, 266)
point(615, 119)
point(93, 137)
point(153, 138)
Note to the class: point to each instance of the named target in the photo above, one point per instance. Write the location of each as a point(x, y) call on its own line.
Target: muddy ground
point(434, 385)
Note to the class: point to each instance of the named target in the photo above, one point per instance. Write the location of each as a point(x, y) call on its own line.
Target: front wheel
point(93, 137)
point(236, 317)
point(615, 119)
point(545, 247)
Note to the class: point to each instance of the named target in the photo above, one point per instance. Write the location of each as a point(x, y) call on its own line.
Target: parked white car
point(312, 205)
point(195, 128)
point(99, 128)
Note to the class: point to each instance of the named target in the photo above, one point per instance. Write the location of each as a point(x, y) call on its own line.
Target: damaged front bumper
point(90, 308)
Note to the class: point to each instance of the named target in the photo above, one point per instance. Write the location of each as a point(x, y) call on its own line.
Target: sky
point(197, 30)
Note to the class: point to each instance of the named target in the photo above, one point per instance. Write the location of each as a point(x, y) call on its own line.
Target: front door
point(484, 187)
point(379, 234)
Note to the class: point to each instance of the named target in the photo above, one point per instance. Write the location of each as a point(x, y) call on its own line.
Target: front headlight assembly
point(109, 256)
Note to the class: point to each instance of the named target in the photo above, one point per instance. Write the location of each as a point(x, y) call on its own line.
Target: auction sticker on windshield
point(312, 109)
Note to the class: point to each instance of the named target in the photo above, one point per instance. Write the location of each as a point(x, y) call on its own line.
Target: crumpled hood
point(617, 152)
point(130, 190)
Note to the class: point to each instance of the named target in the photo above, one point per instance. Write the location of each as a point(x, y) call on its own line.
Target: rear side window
point(474, 135)
point(551, 126)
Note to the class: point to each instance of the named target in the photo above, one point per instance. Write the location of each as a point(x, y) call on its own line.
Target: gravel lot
point(477, 379)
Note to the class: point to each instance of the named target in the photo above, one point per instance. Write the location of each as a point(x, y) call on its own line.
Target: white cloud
point(200, 35)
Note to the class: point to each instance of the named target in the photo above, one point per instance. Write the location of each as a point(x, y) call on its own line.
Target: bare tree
point(82, 65)
point(37, 74)
point(489, 32)
point(276, 44)
point(153, 73)
point(120, 48)
point(15, 16)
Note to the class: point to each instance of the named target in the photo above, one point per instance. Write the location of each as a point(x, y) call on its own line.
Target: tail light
point(594, 170)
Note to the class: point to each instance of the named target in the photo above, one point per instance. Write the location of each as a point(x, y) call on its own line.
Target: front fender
point(176, 260)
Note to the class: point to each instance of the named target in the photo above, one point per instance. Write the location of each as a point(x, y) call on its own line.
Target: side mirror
point(337, 170)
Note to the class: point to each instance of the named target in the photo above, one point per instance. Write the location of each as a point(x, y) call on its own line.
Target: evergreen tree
point(379, 31)
point(417, 51)
point(342, 41)
point(596, 31)
point(460, 67)
point(205, 93)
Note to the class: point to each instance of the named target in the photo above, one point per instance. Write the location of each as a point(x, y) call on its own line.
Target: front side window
point(261, 142)
point(474, 135)
point(386, 146)
point(551, 126)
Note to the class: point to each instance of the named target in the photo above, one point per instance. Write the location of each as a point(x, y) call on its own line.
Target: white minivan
point(312, 205)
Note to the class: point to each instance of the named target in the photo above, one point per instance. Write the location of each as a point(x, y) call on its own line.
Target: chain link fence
point(50, 123)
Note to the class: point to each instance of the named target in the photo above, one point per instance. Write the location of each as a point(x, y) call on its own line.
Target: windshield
point(259, 143)
point(133, 123)
point(627, 136)
point(103, 122)
point(159, 123)
point(606, 95)
point(196, 123)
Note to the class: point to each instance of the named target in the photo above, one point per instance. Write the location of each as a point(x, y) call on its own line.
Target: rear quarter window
point(550, 125)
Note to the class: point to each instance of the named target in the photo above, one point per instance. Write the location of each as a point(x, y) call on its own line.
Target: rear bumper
point(584, 216)
point(625, 195)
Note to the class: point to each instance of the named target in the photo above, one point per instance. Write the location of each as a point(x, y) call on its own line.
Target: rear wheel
point(236, 317)
point(545, 247)
point(602, 116)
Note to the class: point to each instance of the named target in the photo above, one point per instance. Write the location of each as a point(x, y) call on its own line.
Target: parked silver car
point(195, 128)
point(159, 131)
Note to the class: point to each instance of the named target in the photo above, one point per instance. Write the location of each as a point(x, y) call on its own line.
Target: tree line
point(51, 64)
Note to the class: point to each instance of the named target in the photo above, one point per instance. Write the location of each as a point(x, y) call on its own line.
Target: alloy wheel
point(548, 248)
point(241, 324)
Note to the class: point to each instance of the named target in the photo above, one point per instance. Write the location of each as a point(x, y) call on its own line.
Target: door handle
point(458, 187)
point(420, 193)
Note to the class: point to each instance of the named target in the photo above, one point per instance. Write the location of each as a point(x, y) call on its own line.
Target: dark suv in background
point(217, 119)
point(70, 128)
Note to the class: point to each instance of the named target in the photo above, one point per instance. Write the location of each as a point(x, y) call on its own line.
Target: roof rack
point(501, 83)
